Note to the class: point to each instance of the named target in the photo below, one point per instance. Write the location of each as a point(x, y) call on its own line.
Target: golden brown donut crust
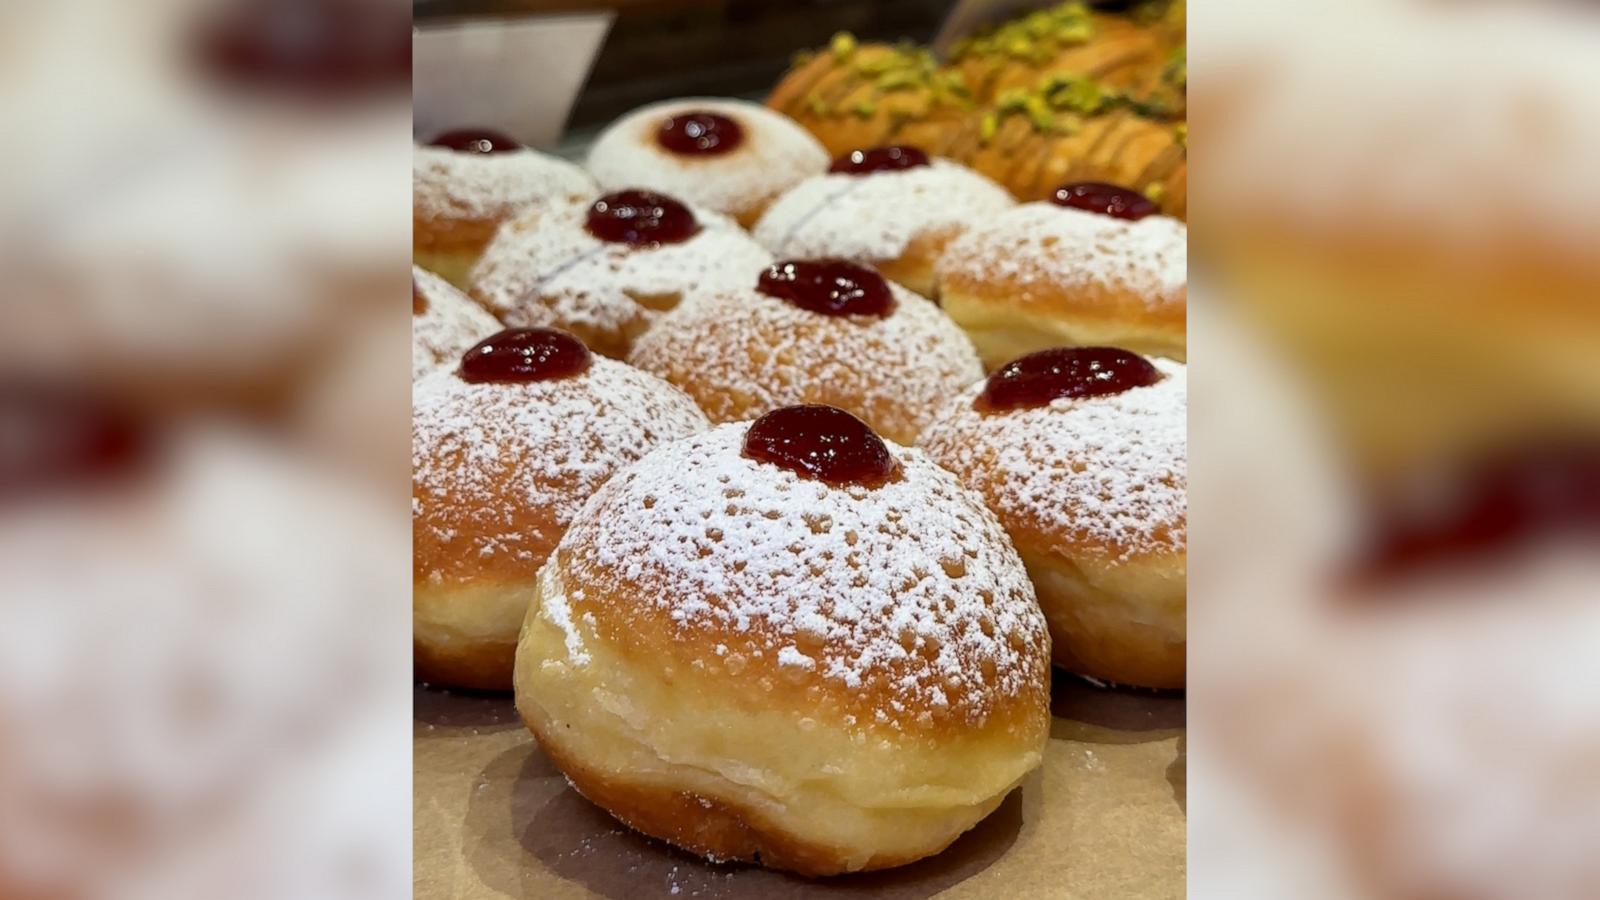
point(743, 355)
point(719, 831)
point(916, 269)
point(1042, 276)
point(818, 681)
point(899, 222)
point(459, 201)
point(1101, 525)
point(1125, 624)
point(608, 294)
point(753, 698)
point(641, 631)
point(481, 530)
point(1008, 317)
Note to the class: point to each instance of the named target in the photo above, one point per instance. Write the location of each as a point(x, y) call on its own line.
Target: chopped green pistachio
point(1155, 190)
point(988, 128)
point(1176, 72)
point(1150, 107)
point(817, 105)
point(1081, 95)
point(1150, 11)
point(1181, 132)
point(898, 80)
point(1019, 47)
point(842, 45)
point(1075, 32)
point(866, 109)
point(1039, 113)
point(873, 66)
point(1013, 100)
point(953, 83)
point(1034, 38)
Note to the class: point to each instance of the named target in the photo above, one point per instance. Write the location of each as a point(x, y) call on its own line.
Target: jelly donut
point(730, 156)
point(465, 184)
point(788, 642)
point(1097, 264)
point(814, 331)
point(1082, 453)
point(894, 208)
point(445, 323)
point(504, 450)
point(147, 562)
point(607, 271)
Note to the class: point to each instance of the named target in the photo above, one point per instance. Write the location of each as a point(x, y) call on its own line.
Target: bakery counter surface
point(1103, 818)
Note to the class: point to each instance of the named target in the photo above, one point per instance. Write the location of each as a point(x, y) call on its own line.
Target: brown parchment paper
point(1103, 819)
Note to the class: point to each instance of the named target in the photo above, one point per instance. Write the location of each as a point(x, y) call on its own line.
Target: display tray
point(1103, 818)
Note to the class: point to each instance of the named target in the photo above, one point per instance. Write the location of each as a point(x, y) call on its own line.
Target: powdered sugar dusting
point(482, 452)
point(1048, 244)
point(546, 269)
point(447, 328)
point(791, 656)
point(910, 589)
point(553, 602)
point(744, 346)
point(1108, 470)
point(871, 218)
point(448, 184)
point(776, 154)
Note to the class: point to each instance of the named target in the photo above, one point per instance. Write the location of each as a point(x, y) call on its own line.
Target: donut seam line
point(803, 221)
point(538, 286)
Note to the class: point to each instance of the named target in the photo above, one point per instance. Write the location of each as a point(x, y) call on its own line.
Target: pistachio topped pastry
point(1067, 93)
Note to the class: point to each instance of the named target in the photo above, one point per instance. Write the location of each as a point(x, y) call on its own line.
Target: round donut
point(1093, 490)
point(549, 268)
point(445, 323)
point(759, 665)
point(736, 170)
point(461, 197)
point(146, 561)
point(498, 470)
point(893, 208)
point(1415, 642)
point(742, 353)
point(1043, 275)
point(197, 287)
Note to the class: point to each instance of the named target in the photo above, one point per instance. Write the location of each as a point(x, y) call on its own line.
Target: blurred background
point(659, 49)
point(204, 637)
point(1395, 450)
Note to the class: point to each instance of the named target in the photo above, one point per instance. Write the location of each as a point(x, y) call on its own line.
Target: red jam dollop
point(699, 133)
point(879, 159)
point(1105, 199)
point(63, 436)
point(821, 443)
point(476, 140)
point(1484, 508)
point(641, 217)
point(525, 354)
point(313, 49)
point(1038, 378)
point(832, 287)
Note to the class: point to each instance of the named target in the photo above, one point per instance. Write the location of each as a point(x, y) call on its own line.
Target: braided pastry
point(1063, 94)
